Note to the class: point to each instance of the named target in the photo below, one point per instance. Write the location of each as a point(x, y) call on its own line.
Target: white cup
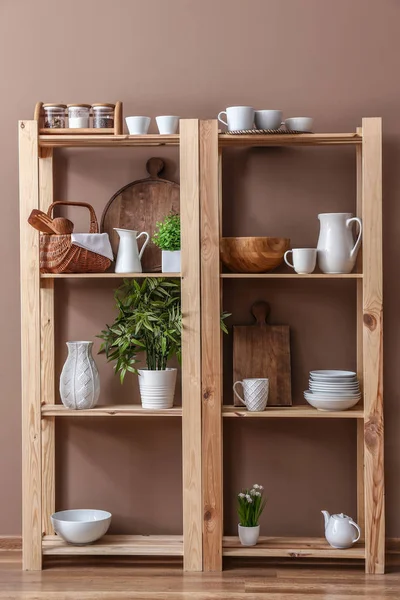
point(303, 124)
point(238, 117)
point(138, 125)
point(255, 393)
point(304, 260)
point(268, 119)
point(167, 124)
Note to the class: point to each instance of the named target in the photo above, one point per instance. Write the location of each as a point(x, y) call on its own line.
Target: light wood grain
point(107, 141)
point(123, 410)
point(290, 276)
point(46, 131)
point(290, 412)
point(142, 545)
point(106, 275)
point(211, 347)
point(373, 345)
point(191, 346)
point(302, 139)
point(290, 547)
point(47, 353)
point(30, 348)
point(118, 119)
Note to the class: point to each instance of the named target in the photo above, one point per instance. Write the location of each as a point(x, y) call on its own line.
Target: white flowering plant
point(251, 503)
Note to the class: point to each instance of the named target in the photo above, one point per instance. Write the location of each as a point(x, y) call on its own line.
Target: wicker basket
point(58, 255)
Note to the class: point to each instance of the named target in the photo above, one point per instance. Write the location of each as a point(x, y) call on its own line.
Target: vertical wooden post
point(373, 351)
point(211, 346)
point(191, 345)
point(360, 354)
point(47, 354)
point(30, 349)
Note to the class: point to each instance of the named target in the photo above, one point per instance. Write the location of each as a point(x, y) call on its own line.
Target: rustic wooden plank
point(211, 347)
point(291, 276)
point(47, 365)
point(107, 275)
point(302, 139)
point(30, 348)
point(289, 412)
point(373, 345)
point(112, 410)
point(290, 547)
point(132, 545)
point(107, 141)
point(191, 349)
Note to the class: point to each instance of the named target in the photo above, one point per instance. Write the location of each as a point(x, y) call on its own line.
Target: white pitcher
point(336, 249)
point(128, 257)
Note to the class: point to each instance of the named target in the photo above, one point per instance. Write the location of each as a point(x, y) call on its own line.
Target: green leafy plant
point(149, 319)
point(168, 234)
point(251, 503)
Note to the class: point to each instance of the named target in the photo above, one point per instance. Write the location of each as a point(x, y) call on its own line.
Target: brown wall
point(333, 59)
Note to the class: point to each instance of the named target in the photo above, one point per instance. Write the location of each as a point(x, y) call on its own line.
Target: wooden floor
point(101, 578)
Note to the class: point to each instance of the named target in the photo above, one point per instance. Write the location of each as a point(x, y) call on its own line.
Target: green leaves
point(251, 503)
point(168, 236)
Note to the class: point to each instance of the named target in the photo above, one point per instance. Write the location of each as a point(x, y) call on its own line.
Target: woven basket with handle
point(59, 255)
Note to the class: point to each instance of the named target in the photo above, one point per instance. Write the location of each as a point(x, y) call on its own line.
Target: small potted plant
point(251, 503)
point(149, 319)
point(168, 238)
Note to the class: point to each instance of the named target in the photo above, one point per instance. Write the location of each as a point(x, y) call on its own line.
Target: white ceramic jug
point(340, 530)
point(128, 257)
point(336, 249)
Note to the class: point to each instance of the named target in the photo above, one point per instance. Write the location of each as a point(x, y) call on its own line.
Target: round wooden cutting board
point(138, 206)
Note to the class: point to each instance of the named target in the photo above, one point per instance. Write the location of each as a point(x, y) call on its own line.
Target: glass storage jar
point(103, 116)
point(78, 116)
point(54, 115)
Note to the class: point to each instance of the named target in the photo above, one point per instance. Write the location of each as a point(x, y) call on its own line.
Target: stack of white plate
point(333, 390)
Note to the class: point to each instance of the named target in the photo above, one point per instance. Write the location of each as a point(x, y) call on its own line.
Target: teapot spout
point(327, 516)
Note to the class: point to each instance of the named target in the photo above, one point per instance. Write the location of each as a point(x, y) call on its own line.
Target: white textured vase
point(79, 381)
point(171, 261)
point(248, 535)
point(157, 388)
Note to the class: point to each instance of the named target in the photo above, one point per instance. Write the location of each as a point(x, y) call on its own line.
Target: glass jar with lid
point(103, 116)
point(78, 116)
point(54, 115)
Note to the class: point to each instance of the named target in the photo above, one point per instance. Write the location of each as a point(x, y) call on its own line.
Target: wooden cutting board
point(263, 350)
point(138, 206)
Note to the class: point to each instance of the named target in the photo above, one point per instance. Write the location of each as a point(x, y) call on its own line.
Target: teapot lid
point(341, 517)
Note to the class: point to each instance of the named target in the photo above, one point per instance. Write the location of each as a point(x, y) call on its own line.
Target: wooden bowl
point(253, 254)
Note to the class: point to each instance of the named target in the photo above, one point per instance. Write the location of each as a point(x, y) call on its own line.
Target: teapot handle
point(358, 529)
point(358, 242)
point(145, 243)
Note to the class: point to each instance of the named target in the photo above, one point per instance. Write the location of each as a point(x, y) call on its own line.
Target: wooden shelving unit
point(367, 141)
point(39, 407)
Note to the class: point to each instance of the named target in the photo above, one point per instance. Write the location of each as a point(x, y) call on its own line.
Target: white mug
point(255, 393)
point(167, 124)
point(268, 119)
point(138, 125)
point(304, 260)
point(238, 117)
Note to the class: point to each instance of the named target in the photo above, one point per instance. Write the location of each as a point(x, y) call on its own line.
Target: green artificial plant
point(251, 503)
point(168, 233)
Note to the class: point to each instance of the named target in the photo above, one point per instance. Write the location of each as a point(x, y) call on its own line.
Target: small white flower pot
point(171, 261)
point(248, 535)
point(157, 388)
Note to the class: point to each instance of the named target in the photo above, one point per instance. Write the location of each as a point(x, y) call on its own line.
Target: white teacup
point(138, 125)
point(255, 393)
point(167, 124)
point(238, 117)
point(304, 260)
point(304, 124)
point(268, 119)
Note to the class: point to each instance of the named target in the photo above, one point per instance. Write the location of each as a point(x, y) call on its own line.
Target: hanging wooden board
point(263, 350)
point(138, 206)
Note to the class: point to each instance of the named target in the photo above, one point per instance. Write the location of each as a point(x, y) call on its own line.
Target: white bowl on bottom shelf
point(81, 526)
point(332, 403)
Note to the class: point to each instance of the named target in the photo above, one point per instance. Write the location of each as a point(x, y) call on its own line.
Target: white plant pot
point(248, 535)
point(171, 261)
point(157, 388)
point(79, 381)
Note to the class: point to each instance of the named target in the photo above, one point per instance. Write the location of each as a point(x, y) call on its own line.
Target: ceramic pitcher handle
point(145, 244)
point(287, 260)
point(235, 392)
point(223, 112)
point(358, 529)
point(358, 242)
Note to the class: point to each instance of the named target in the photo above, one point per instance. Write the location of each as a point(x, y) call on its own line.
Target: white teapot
point(340, 530)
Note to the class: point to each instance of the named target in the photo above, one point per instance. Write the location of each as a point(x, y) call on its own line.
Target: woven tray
point(264, 131)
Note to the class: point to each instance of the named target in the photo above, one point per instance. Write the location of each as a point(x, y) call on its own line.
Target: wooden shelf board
point(300, 139)
point(123, 410)
point(134, 545)
point(107, 141)
point(304, 412)
point(285, 547)
point(105, 275)
point(74, 132)
point(291, 276)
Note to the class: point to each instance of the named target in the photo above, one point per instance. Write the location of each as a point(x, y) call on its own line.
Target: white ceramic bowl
point(333, 404)
point(304, 124)
point(81, 526)
point(268, 119)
